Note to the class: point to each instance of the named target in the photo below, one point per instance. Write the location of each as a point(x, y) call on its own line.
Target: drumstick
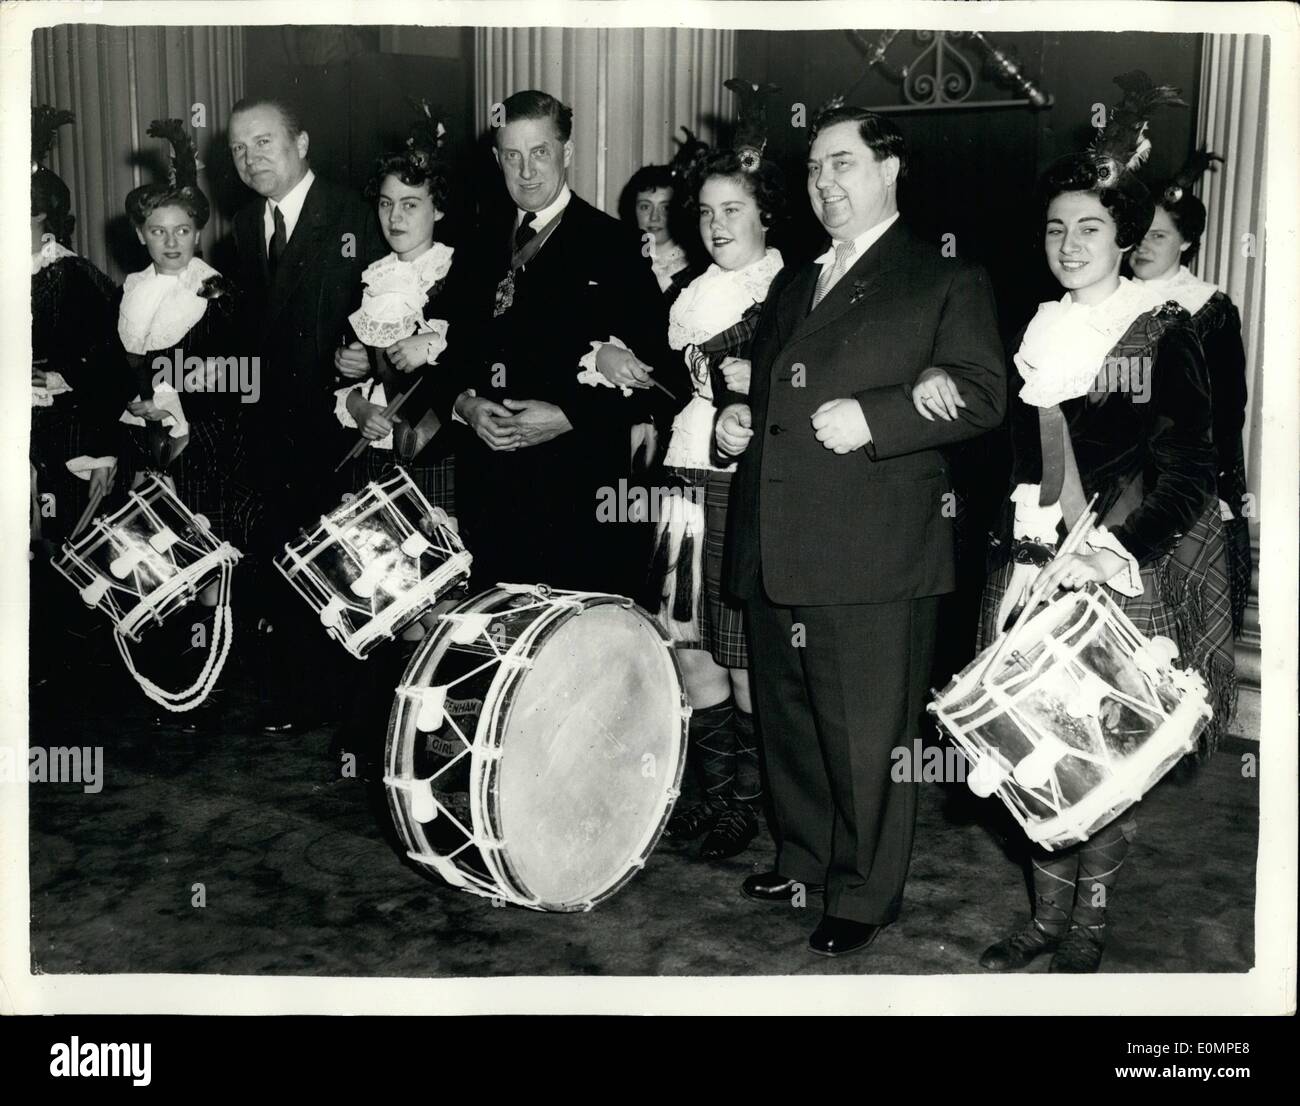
point(96, 496)
point(661, 388)
point(388, 412)
point(1038, 590)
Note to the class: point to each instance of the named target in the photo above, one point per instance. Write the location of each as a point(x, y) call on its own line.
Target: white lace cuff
point(167, 400)
point(83, 466)
point(372, 391)
point(1128, 580)
point(341, 411)
point(592, 375)
point(55, 385)
point(436, 329)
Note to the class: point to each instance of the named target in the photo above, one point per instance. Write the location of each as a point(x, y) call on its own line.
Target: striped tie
point(832, 273)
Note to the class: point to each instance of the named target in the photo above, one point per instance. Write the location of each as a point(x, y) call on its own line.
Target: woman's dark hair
point(144, 201)
point(649, 178)
point(1188, 215)
point(413, 168)
point(764, 182)
point(1127, 200)
point(879, 134)
point(51, 197)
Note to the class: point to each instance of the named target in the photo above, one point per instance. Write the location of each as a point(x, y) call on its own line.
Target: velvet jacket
point(1150, 460)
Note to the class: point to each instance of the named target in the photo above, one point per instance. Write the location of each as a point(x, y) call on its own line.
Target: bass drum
point(536, 746)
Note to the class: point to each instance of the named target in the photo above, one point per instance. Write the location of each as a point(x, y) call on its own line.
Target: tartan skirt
point(435, 479)
point(719, 623)
point(206, 480)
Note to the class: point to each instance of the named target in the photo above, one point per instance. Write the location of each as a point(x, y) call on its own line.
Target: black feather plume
point(1198, 164)
point(690, 152)
point(46, 122)
point(1123, 141)
point(426, 132)
point(751, 114)
point(184, 170)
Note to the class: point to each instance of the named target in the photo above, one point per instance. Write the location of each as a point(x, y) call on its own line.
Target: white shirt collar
point(549, 212)
point(863, 241)
point(290, 207)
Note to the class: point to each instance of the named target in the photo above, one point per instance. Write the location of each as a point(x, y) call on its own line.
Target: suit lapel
point(867, 278)
point(303, 247)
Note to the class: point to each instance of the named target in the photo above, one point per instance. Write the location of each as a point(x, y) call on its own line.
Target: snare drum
point(143, 564)
point(376, 563)
point(1079, 718)
point(536, 746)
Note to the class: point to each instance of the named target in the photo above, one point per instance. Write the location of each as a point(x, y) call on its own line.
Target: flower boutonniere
point(215, 287)
point(859, 291)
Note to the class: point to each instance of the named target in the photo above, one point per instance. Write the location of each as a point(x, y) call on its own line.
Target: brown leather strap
point(1060, 479)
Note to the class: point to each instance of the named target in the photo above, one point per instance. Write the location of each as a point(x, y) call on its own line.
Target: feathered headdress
point(182, 182)
point(751, 120)
point(691, 151)
point(46, 122)
point(184, 169)
point(426, 135)
point(1122, 145)
point(1199, 163)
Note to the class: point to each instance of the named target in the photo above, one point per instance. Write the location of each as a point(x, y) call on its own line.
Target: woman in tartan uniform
point(177, 321)
point(1114, 401)
point(737, 196)
point(403, 323)
point(79, 380)
point(1161, 260)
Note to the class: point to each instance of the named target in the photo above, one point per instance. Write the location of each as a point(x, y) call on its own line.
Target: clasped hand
point(513, 423)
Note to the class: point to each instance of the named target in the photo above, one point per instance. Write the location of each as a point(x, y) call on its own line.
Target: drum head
point(592, 745)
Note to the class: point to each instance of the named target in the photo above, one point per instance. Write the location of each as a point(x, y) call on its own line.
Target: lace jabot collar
point(159, 309)
point(718, 298)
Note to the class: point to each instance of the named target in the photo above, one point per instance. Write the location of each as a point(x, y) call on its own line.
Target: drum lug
point(164, 539)
point(331, 614)
point(93, 592)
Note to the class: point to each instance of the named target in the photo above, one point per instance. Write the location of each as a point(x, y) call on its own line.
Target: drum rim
point(545, 628)
point(492, 723)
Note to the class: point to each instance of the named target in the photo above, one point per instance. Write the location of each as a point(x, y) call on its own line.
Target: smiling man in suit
point(840, 544)
point(563, 284)
point(302, 247)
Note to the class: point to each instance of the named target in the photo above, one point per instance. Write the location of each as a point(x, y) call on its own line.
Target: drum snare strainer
point(536, 746)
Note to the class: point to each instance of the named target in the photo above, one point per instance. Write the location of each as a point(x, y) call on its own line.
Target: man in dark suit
point(561, 282)
point(840, 543)
point(302, 246)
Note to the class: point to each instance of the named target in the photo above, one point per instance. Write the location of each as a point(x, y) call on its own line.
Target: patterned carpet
point(299, 878)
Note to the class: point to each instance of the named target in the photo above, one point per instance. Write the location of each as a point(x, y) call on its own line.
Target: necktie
point(275, 247)
point(525, 233)
point(832, 273)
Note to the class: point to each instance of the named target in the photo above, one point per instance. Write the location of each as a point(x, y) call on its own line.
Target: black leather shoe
point(840, 936)
point(1080, 951)
point(693, 822)
point(1014, 952)
point(731, 834)
point(774, 887)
